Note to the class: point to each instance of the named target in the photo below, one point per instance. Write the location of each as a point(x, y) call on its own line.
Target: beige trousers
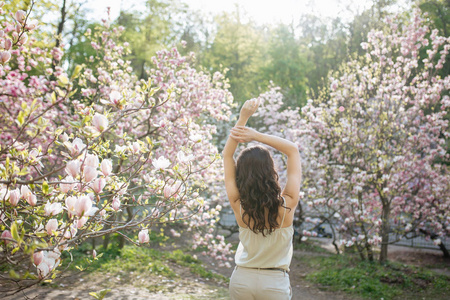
point(257, 284)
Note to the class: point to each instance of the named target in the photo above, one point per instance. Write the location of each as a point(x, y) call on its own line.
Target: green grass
point(139, 260)
point(371, 280)
point(310, 246)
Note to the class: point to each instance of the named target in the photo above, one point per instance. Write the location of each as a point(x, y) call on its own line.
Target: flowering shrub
point(75, 150)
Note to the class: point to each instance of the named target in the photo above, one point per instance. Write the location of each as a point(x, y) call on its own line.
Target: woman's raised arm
point(229, 165)
point(294, 167)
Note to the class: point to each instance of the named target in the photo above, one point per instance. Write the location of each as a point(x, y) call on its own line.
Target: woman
point(264, 212)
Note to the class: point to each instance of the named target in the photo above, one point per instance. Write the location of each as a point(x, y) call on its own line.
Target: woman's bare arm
point(294, 168)
point(229, 164)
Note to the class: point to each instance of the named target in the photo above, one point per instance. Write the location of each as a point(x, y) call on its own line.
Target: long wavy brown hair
point(259, 190)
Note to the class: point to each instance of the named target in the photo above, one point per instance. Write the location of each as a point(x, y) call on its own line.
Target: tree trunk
point(385, 227)
point(129, 218)
point(105, 242)
point(444, 250)
point(61, 24)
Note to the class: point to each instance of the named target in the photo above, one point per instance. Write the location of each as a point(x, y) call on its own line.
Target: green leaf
point(63, 80)
point(76, 72)
point(20, 118)
point(100, 295)
point(45, 187)
point(13, 274)
point(53, 97)
point(14, 232)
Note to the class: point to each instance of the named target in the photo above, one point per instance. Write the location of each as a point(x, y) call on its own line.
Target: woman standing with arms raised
point(264, 211)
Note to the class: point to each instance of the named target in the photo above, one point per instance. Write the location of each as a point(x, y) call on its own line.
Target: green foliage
point(372, 280)
point(138, 260)
point(100, 294)
point(238, 47)
point(309, 246)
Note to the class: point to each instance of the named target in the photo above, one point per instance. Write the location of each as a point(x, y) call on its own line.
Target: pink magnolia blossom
point(100, 122)
point(70, 205)
point(91, 160)
point(67, 184)
point(106, 167)
point(43, 270)
point(183, 158)
point(32, 200)
point(83, 205)
point(52, 209)
point(73, 168)
point(161, 163)
point(143, 236)
point(71, 232)
point(81, 221)
point(31, 25)
point(21, 16)
point(14, 197)
point(23, 38)
point(5, 56)
point(8, 44)
point(115, 204)
point(135, 147)
point(98, 185)
point(76, 146)
point(52, 225)
point(90, 173)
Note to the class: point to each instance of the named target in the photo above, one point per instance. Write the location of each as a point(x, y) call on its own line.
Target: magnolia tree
point(375, 142)
point(373, 145)
point(100, 152)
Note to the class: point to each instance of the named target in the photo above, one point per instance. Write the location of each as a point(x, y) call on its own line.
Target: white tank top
point(270, 251)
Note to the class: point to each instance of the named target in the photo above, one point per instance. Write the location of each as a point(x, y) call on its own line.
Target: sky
point(260, 11)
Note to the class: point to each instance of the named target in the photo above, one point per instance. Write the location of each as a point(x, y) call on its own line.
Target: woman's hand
point(243, 134)
point(249, 108)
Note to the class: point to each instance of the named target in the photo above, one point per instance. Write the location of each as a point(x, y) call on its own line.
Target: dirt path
point(184, 286)
point(189, 286)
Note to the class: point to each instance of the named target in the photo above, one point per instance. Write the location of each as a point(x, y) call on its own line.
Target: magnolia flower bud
point(8, 43)
point(21, 16)
point(94, 254)
point(52, 225)
point(143, 236)
point(106, 167)
point(38, 257)
point(32, 200)
point(115, 204)
point(5, 56)
point(100, 122)
point(6, 234)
